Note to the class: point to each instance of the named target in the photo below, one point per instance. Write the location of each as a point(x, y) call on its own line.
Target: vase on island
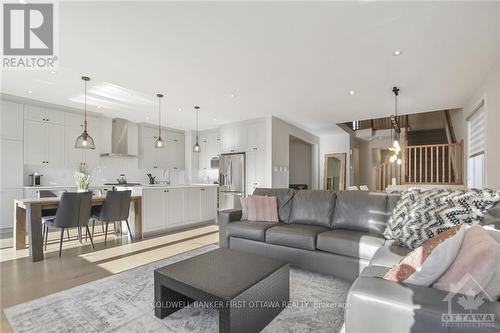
point(83, 177)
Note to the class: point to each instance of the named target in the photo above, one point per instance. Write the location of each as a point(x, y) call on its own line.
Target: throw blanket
point(420, 215)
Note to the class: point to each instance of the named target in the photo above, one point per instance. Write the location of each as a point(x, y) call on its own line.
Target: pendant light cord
point(85, 103)
point(197, 110)
point(159, 117)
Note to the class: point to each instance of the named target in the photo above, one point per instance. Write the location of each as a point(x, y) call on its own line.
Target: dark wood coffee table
point(247, 289)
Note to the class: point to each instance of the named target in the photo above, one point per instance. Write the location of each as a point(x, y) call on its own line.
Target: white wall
point(281, 132)
point(300, 163)
point(333, 143)
point(489, 90)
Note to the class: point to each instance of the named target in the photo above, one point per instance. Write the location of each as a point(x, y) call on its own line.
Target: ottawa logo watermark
point(467, 309)
point(30, 36)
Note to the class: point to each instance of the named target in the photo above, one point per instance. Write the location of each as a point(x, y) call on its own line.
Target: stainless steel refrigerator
point(231, 180)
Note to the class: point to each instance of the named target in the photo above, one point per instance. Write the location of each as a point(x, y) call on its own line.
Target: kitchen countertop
point(149, 187)
point(49, 187)
point(144, 187)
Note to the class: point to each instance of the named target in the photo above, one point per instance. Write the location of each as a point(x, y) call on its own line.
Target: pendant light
point(396, 146)
point(196, 147)
point(159, 142)
point(85, 141)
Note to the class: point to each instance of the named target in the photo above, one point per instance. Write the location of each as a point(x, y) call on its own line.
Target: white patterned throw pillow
point(420, 215)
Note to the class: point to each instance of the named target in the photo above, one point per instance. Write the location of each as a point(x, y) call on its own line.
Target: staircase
point(426, 137)
point(427, 158)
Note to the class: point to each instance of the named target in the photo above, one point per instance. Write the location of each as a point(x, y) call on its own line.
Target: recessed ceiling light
point(30, 91)
point(232, 95)
point(397, 53)
point(99, 107)
point(180, 109)
point(53, 72)
point(351, 92)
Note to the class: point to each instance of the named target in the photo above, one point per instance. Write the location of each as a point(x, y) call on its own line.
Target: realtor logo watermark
point(30, 36)
point(464, 310)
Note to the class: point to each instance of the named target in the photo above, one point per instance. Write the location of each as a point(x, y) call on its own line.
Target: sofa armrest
point(378, 305)
point(223, 219)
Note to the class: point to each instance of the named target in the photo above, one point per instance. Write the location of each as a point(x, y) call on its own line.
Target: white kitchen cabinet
point(210, 148)
point(45, 115)
point(11, 121)
point(255, 170)
point(256, 136)
point(44, 143)
point(193, 204)
point(153, 218)
point(175, 206)
point(11, 164)
point(208, 203)
point(234, 138)
point(149, 156)
point(7, 198)
point(171, 207)
point(175, 150)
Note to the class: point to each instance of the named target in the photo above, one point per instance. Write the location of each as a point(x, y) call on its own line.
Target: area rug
point(124, 303)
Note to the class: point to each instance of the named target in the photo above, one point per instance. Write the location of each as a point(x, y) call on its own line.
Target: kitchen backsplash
point(108, 171)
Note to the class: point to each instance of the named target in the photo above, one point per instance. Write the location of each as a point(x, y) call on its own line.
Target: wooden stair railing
point(434, 164)
point(384, 174)
point(424, 164)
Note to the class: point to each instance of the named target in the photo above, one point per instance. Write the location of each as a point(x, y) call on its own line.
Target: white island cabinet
point(173, 207)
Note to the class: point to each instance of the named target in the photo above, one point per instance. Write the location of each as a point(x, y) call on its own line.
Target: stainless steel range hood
point(124, 139)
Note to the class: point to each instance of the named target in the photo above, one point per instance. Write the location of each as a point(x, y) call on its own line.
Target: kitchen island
point(173, 207)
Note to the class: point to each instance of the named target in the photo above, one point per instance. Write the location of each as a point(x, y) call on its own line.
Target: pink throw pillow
point(426, 263)
point(262, 209)
point(474, 266)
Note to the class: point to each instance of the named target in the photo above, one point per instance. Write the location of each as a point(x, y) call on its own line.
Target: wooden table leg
point(34, 213)
point(20, 227)
point(138, 218)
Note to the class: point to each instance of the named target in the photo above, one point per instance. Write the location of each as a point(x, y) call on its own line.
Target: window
point(475, 140)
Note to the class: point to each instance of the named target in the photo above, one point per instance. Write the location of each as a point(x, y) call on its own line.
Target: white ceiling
point(294, 60)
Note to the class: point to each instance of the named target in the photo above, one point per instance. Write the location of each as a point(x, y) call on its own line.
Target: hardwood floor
point(22, 280)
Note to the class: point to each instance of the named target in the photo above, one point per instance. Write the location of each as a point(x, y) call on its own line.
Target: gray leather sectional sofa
point(340, 233)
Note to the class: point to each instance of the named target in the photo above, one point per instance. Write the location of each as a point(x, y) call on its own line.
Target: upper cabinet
point(248, 136)
point(11, 121)
point(170, 157)
point(210, 148)
point(44, 143)
point(256, 135)
point(37, 113)
point(234, 139)
point(175, 150)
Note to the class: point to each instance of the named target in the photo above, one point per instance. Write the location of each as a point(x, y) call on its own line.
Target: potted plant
point(83, 177)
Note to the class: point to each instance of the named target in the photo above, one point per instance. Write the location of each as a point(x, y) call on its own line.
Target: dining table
point(28, 220)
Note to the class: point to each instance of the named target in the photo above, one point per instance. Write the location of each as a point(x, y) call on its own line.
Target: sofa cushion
point(313, 207)
point(294, 235)
point(389, 255)
point(362, 211)
point(249, 230)
point(284, 197)
point(492, 217)
point(350, 243)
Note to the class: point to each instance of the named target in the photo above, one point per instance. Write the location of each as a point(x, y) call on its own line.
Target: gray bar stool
point(116, 208)
point(73, 212)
